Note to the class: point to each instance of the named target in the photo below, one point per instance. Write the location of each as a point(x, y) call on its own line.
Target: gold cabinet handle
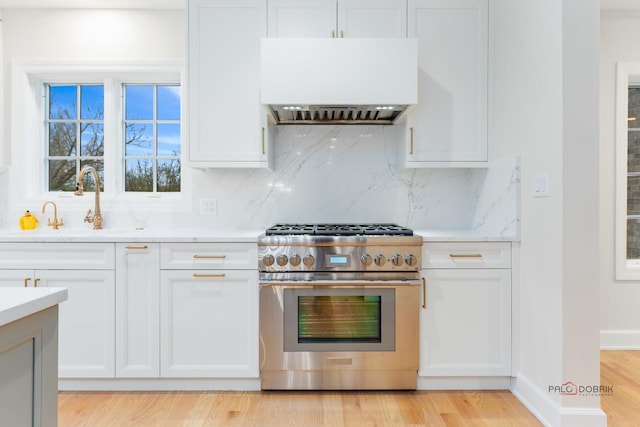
point(26, 281)
point(341, 34)
point(263, 150)
point(411, 140)
point(465, 255)
point(136, 247)
point(35, 283)
point(424, 293)
point(333, 34)
point(209, 256)
point(208, 275)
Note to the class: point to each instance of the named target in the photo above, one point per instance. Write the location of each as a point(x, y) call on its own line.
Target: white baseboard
point(155, 384)
point(464, 383)
point(619, 339)
point(549, 412)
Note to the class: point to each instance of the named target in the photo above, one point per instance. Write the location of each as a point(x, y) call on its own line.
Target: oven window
point(339, 319)
point(353, 318)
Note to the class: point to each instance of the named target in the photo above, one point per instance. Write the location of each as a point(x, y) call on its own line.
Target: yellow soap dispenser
point(28, 221)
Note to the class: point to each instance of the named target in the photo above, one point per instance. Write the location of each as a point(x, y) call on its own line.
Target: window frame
point(28, 132)
point(627, 75)
point(156, 158)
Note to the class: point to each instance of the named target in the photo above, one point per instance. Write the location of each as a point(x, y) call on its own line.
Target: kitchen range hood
point(338, 81)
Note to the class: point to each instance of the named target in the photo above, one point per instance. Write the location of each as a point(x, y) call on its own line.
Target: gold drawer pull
point(424, 293)
point(208, 275)
point(136, 247)
point(35, 283)
point(26, 281)
point(465, 255)
point(209, 256)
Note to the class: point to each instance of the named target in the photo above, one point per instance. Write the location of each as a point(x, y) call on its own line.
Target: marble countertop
point(19, 302)
point(151, 235)
point(463, 235)
point(131, 235)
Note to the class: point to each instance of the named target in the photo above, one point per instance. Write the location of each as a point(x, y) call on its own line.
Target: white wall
point(537, 48)
point(321, 173)
point(619, 300)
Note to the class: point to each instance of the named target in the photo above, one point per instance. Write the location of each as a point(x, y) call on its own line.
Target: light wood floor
point(620, 369)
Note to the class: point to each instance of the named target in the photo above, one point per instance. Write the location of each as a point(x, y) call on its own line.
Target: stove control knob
point(268, 260)
point(411, 260)
point(366, 260)
point(379, 260)
point(308, 260)
point(282, 260)
point(397, 260)
point(295, 260)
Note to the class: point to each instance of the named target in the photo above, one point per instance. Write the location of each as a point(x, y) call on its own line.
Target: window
point(74, 133)
point(68, 114)
point(152, 138)
point(633, 173)
point(150, 135)
point(627, 246)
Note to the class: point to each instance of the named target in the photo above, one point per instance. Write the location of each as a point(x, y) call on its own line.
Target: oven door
point(339, 334)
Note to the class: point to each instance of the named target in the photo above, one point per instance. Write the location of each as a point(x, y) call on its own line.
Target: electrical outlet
point(418, 208)
point(208, 207)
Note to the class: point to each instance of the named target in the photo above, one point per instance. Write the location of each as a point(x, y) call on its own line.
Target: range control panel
point(343, 258)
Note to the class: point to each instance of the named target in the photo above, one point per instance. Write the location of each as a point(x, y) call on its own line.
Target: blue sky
point(138, 106)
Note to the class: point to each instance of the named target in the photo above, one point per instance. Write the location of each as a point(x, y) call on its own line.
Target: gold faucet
point(96, 218)
point(55, 224)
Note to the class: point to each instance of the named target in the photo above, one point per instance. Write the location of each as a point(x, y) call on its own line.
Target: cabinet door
point(209, 323)
point(29, 371)
point(87, 323)
point(449, 124)
point(17, 377)
point(138, 310)
point(227, 123)
point(16, 278)
point(302, 18)
point(344, 18)
point(466, 326)
point(372, 18)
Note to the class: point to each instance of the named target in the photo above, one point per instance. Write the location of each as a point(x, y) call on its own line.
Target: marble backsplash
point(338, 174)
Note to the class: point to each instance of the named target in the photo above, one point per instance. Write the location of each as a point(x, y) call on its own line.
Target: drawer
point(58, 256)
point(213, 256)
point(466, 255)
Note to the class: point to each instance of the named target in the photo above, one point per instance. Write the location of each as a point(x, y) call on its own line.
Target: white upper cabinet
point(341, 18)
point(227, 123)
point(448, 127)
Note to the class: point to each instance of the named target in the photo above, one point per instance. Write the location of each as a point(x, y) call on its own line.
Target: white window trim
point(27, 144)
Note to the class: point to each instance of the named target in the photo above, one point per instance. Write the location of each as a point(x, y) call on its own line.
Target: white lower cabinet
point(209, 323)
point(137, 310)
point(465, 321)
point(147, 310)
point(86, 318)
point(86, 337)
point(87, 322)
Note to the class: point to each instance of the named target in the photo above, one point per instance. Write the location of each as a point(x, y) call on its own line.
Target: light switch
point(541, 184)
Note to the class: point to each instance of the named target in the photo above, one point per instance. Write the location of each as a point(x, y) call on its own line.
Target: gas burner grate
point(338, 230)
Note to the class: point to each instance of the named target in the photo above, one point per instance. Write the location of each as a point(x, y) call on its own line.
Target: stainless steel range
point(339, 306)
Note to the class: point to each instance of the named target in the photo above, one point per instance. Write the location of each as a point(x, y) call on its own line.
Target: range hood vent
point(338, 81)
point(336, 114)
